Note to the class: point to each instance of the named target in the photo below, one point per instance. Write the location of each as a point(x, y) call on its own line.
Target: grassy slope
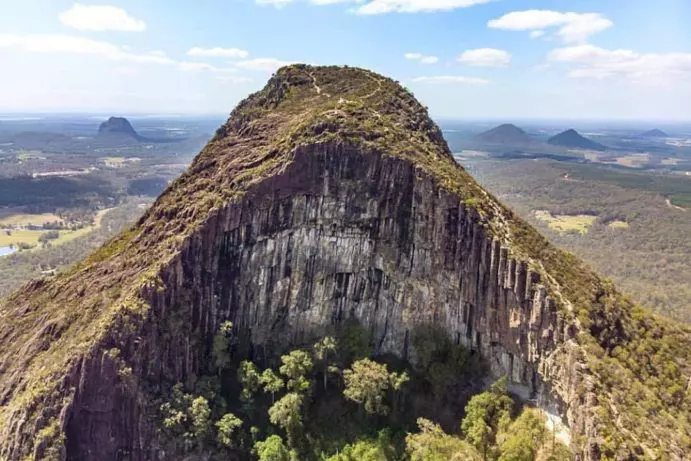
point(305, 105)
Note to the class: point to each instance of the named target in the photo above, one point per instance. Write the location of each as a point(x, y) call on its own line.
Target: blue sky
point(498, 59)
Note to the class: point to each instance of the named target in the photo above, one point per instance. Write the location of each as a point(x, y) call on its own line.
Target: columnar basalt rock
point(289, 232)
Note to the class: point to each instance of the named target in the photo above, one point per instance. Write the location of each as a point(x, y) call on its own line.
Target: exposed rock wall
point(339, 235)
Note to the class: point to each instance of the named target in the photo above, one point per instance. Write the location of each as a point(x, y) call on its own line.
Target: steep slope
point(329, 195)
point(574, 140)
point(505, 134)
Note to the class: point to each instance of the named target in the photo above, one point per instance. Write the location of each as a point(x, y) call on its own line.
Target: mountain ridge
point(311, 132)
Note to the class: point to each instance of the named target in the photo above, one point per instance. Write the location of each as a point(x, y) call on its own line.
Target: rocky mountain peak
point(118, 126)
point(328, 196)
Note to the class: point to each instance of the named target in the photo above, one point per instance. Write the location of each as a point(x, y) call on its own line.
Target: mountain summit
point(118, 126)
point(328, 197)
point(505, 134)
point(655, 133)
point(574, 140)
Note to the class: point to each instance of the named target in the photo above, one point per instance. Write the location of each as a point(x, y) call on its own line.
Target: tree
point(363, 450)
point(366, 383)
point(525, 437)
point(354, 342)
point(296, 367)
point(433, 444)
point(287, 414)
point(226, 427)
point(380, 449)
point(175, 410)
point(271, 382)
point(322, 349)
point(200, 414)
point(248, 375)
point(397, 380)
point(220, 348)
point(273, 449)
point(485, 415)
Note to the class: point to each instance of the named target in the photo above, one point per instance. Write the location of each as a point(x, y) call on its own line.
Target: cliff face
point(327, 196)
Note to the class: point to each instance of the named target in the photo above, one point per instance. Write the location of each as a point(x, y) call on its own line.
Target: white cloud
point(186, 66)
point(594, 62)
point(276, 3)
point(537, 33)
point(58, 43)
point(67, 44)
point(485, 57)
point(421, 58)
point(233, 79)
point(451, 79)
point(414, 6)
point(571, 27)
point(429, 60)
point(370, 7)
point(100, 18)
point(218, 52)
point(264, 64)
point(189, 66)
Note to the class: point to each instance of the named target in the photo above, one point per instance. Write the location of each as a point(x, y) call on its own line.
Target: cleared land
point(10, 237)
point(566, 223)
point(28, 219)
point(619, 225)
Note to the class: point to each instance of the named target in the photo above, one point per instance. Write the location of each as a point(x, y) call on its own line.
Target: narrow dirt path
point(317, 88)
point(673, 206)
point(377, 90)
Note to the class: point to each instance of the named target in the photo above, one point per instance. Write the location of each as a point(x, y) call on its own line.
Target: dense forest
point(648, 255)
point(334, 401)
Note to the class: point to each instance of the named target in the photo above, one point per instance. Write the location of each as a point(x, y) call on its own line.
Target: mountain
point(654, 134)
point(574, 140)
point(505, 134)
point(118, 127)
point(328, 198)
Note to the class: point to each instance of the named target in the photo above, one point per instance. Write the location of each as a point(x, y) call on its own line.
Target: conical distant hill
point(505, 134)
point(656, 133)
point(574, 140)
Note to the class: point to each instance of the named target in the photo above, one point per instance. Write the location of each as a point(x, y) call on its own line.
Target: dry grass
point(28, 219)
point(565, 223)
point(618, 225)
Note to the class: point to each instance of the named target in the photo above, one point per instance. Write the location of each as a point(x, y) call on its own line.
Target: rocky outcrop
point(288, 243)
point(118, 126)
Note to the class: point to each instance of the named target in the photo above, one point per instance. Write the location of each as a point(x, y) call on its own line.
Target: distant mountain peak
point(506, 133)
point(574, 140)
point(118, 126)
point(656, 133)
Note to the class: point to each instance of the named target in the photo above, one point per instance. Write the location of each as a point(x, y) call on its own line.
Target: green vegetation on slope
point(649, 259)
point(306, 106)
point(327, 402)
